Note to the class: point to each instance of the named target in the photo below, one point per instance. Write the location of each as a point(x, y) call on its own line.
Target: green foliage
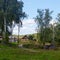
point(57, 29)
point(31, 46)
point(57, 33)
point(58, 17)
point(30, 37)
point(10, 10)
point(43, 19)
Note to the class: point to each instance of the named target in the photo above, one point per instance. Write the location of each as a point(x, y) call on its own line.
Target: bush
point(12, 45)
point(32, 46)
point(30, 37)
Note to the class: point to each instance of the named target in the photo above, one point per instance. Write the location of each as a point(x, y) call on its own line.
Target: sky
point(30, 7)
point(29, 27)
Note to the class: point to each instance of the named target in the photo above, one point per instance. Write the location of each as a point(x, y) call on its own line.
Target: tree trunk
point(4, 32)
point(18, 33)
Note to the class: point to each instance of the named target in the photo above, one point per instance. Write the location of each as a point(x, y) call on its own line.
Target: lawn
point(9, 53)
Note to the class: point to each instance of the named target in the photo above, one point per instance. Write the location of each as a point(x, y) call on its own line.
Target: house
point(12, 39)
point(25, 37)
point(1, 37)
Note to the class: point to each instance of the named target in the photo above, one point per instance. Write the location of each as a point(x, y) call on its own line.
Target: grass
point(9, 53)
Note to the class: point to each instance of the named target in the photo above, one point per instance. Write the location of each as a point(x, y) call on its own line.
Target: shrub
point(12, 45)
point(30, 37)
point(32, 46)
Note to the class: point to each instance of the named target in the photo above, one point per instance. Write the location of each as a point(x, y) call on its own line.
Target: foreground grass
point(9, 53)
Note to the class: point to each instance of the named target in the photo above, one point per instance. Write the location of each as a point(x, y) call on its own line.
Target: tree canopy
point(43, 19)
point(10, 10)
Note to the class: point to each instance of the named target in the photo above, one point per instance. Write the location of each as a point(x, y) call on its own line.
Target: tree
point(58, 18)
point(39, 21)
point(6, 6)
point(30, 37)
point(20, 16)
point(47, 19)
point(57, 29)
point(57, 34)
point(42, 19)
point(11, 10)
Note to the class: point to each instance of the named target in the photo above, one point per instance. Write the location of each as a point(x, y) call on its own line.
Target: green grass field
point(9, 53)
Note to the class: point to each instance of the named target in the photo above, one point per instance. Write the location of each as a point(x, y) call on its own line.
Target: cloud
point(29, 27)
point(53, 21)
point(30, 21)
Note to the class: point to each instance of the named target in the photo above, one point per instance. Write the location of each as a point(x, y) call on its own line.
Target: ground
point(10, 53)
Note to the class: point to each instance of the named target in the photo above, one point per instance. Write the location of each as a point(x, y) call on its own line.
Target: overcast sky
point(30, 7)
